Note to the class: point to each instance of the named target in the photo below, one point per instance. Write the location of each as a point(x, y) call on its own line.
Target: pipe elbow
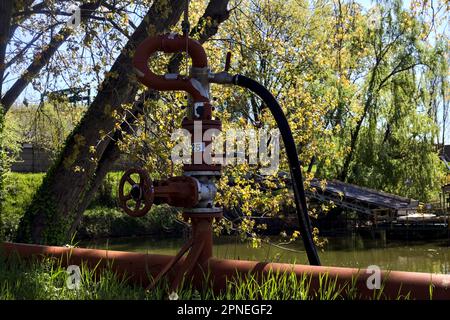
point(169, 44)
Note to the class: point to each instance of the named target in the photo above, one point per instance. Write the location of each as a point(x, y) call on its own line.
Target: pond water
point(350, 251)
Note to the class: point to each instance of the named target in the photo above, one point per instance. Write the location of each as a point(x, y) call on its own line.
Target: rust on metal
point(139, 199)
point(177, 192)
point(195, 190)
point(140, 267)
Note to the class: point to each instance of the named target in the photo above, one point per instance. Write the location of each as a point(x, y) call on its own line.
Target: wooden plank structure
point(32, 159)
point(360, 199)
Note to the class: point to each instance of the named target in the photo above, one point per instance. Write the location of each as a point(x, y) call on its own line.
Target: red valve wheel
point(137, 200)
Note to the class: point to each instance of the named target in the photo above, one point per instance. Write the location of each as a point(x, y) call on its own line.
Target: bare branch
point(6, 9)
point(44, 57)
point(216, 12)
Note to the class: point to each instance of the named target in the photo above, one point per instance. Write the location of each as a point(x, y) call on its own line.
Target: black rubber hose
point(294, 163)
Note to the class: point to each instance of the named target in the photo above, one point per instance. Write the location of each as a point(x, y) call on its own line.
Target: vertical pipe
point(202, 233)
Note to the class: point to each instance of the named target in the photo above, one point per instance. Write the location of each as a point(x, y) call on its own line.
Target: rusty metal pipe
point(395, 282)
point(170, 44)
point(138, 266)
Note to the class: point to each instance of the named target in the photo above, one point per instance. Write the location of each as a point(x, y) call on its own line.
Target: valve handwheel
point(138, 199)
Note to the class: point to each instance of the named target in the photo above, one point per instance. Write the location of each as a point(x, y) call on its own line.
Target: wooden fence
point(33, 159)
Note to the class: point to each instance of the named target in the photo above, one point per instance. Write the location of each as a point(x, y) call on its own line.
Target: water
point(351, 251)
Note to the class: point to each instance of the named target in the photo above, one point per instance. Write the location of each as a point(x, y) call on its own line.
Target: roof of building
point(349, 193)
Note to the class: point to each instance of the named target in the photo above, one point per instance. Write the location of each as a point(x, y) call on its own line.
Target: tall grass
point(46, 279)
point(272, 286)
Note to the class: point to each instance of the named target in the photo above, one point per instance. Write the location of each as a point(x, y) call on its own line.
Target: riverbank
point(158, 232)
point(103, 218)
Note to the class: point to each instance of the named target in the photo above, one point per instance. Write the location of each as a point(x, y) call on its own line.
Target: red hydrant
point(196, 189)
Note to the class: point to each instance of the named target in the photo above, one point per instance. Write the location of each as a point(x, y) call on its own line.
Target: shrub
point(102, 219)
point(9, 149)
point(19, 189)
point(113, 222)
point(107, 193)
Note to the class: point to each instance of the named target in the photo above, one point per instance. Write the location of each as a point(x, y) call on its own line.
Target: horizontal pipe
point(394, 283)
point(138, 267)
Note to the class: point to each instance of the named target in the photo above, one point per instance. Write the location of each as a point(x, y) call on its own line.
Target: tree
point(6, 10)
point(401, 157)
point(43, 57)
point(396, 48)
point(348, 81)
point(281, 44)
point(56, 210)
point(30, 38)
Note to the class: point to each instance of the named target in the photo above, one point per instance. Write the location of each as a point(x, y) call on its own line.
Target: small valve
point(139, 199)
point(137, 192)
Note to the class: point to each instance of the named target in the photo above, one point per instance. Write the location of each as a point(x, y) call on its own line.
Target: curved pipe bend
point(169, 43)
point(294, 163)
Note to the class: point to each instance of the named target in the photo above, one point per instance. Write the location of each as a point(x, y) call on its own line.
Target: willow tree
point(391, 143)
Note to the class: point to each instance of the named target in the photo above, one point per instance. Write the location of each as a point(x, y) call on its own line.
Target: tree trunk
point(68, 187)
point(52, 212)
point(355, 133)
point(6, 8)
point(216, 12)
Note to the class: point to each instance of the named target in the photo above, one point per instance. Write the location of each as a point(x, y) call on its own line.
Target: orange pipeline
point(138, 266)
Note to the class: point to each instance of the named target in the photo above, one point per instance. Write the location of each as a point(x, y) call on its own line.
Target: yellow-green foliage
point(18, 193)
point(338, 70)
point(46, 126)
point(319, 61)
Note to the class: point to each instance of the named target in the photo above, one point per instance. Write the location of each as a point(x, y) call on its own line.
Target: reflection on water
point(352, 251)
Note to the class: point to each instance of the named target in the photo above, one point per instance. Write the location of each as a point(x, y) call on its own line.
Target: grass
point(46, 279)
